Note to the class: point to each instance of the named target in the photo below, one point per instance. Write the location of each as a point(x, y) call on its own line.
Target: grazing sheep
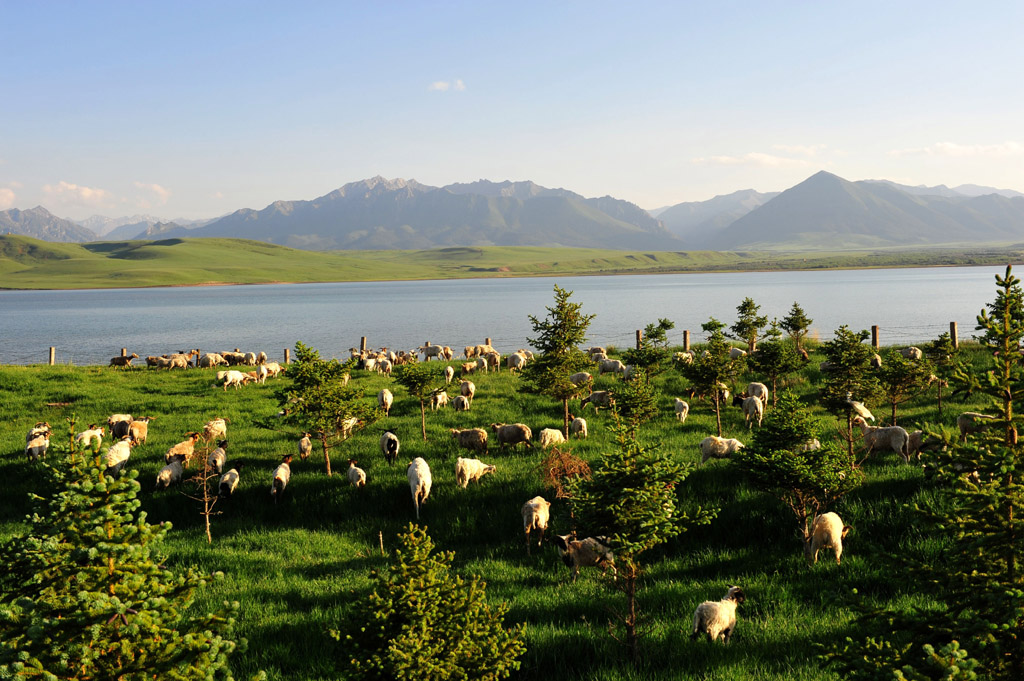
point(718, 618)
point(274, 370)
point(971, 422)
point(384, 400)
point(119, 425)
point(882, 437)
point(598, 398)
point(467, 389)
point(736, 353)
point(123, 362)
point(512, 434)
point(348, 425)
point(610, 366)
point(232, 377)
point(460, 403)
point(229, 482)
point(474, 439)
point(305, 446)
point(578, 427)
point(470, 470)
point(482, 364)
point(384, 367)
point(92, 434)
point(210, 359)
point(718, 448)
point(449, 374)
point(536, 513)
point(580, 378)
point(185, 449)
point(549, 437)
point(171, 473)
point(418, 473)
point(438, 400)
point(261, 357)
point(218, 457)
point(468, 368)
point(912, 353)
point(759, 390)
point(827, 532)
point(117, 455)
point(139, 429)
point(469, 351)
point(598, 357)
point(753, 410)
point(432, 351)
point(215, 429)
point(493, 360)
point(597, 349)
point(515, 362)
point(356, 475)
point(592, 551)
point(389, 446)
point(282, 475)
point(682, 410)
point(35, 448)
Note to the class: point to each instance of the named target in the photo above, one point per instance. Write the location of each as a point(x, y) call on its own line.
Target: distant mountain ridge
point(42, 224)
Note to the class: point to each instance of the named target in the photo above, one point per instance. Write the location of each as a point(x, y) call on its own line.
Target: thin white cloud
point(459, 85)
point(444, 86)
point(754, 158)
point(809, 150)
point(6, 198)
point(954, 150)
point(217, 195)
point(66, 192)
point(161, 193)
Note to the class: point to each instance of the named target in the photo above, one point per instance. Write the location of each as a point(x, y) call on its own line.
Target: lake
point(90, 326)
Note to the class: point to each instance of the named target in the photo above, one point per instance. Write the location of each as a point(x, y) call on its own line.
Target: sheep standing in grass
point(598, 398)
point(90, 435)
point(36, 448)
point(282, 476)
point(232, 377)
point(118, 454)
point(536, 513)
point(218, 457)
point(418, 473)
point(718, 618)
point(123, 362)
point(229, 482)
point(581, 377)
point(473, 439)
point(384, 400)
point(215, 429)
point(449, 374)
point(736, 353)
point(467, 389)
point(912, 353)
point(682, 410)
point(592, 551)
point(438, 400)
point(610, 366)
point(759, 390)
point(753, 410)
point(185, 448)
point(171, 473)
point(827, 532)
point(550, 437)
point(305, 446)
point(713, 447)
point(139, 429)
point(356, 475)
point(971, 422)
point(512, 434)
point(389, 446)
point(515, 362)
point(578, 426)
point(119, 425)
point(470, 470)
point(210, 360)
point(884, 437)
point(460, 403)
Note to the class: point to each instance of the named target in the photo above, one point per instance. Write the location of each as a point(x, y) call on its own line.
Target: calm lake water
point(90, 327)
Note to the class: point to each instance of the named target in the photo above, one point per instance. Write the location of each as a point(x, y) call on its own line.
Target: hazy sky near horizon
point(194, 109)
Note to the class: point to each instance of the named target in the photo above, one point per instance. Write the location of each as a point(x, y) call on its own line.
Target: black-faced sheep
point(589, 552)
point(389, 446)
point(718, 618)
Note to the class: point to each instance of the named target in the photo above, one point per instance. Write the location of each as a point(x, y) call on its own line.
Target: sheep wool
point(718, 618)
point(536, 513)
point(418, 473)
point(827, 532)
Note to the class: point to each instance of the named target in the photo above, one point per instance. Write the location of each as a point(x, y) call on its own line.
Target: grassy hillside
point(296, 566)
point(27, 263)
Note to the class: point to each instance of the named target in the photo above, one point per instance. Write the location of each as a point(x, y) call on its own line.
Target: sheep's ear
point(561, 541)
point(846, 528)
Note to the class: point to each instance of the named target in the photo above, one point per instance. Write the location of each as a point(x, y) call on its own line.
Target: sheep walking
point(218, 457)
point(598, 398)
point(592, 551)
point(449, 374)
point(438, 400)
point(713, 447)
point(418, 473)
point(682, 408)
point(512, 434)
point(718, 618)
point(578, 427)
point(123, 362)
point(827, 532)
point(389, 446)
point(229, 482)
point(759, 390)
point(536, 513)
point(885, 437)
point(470, 470)
point(460, 403)
point(282, 476)
point(117, 455)
point(185, 448)
point(971, 422)
point(305, 446)
point(93, 434)
point(171, 473)
point(467, 389)
point(139, 429)
point(356, 475)
point(473, 439)
point(384, 400)
point(753, 410)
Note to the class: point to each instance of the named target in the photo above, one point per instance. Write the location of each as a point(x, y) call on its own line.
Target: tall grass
point(296, 567)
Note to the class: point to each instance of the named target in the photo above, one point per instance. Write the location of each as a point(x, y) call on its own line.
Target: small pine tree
point(797, 324)
point(653, 354)
point(712, 368)
point(775, 359)
point(748, 323)
point(202, 492)
point(84, 594)
point(422, 381)
point(946, 359)
point(423, 623)
point(637, 400)
point(848, 376)
point(901, 380)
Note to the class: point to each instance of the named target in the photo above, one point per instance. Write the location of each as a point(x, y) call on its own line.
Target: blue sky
point(194, 109)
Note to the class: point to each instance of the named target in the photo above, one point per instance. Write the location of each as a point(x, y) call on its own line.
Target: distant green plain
point(27, 263)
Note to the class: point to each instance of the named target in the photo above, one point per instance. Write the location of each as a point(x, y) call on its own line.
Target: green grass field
point(297, 566)
point(27, 263)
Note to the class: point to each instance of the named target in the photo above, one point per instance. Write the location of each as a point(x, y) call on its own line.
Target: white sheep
point(232, 377)
point(912, 353)
point(305, 446)
point(389, 446)
point(718, 618)
point(215, 429)
point(598, 398)
point(171, 473)
point(581, 377)
point(384, 400)
point(467, 389)
point(736, 353)
point(592, 551)
point(384, 367)
point(90, 435)
point(971, 422)
point(41, 428)
point(536, 513)
point(418, 473)
point(827, 532)
point(759, 390)
point(512, 434)
point(684, 357)
point(753, 410)
point(493, 360)
point(211, 359)
point(261, 358)
point(139, 429)
point(229, 482)
point(474, 439)
point(460, 403)
point(884, 437)
point(682, 408)
point(274, 369)
point(449, 374)
point(356, 475)
point(515, 362)
point(282, 476)
point(550, 437)
point(185, 448)
point(438, 400)
point(432, 352)
point(117, 455)
point(597, 349)
point(218, 457)
point(610, 366)
point(718, 448)
point(578, 427)
point(470, 470)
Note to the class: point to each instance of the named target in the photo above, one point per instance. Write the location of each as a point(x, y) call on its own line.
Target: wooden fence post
point(487, 341)
point(124, 352)
point(287, 355)
point(639, 338)
point(953, 336)
point(53, 355)
point(874, 337)
point(362, 344)
point(686, 341)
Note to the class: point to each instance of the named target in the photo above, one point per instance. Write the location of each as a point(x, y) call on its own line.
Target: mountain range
point(822, 212)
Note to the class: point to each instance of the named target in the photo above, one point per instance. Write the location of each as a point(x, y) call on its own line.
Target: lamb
point(449, 374)
point(971, 422)
point(512, 434)
point(438, 400)
point(92, 434)
point(610, 366)
point(473, 439)
point(718, 448)
point(229, 482)
point(682, 410)
point(384, 400)
point(139, 429)
point(598, 398)
point(550, 437)
point(592, 551)
point(171, 473)
point(218, 457)
point(880, 437)
point(282, 475)
point(232, 377)
point(753, 410)
point(470, 470)
point(117, 455)
point(389, 446)
point(418, 473)
point(119, 424)
point(580, 378)
point(736, 353)
point(460, 403)
point(912, 353)
point(184, 449)
point(827, 531)
point(305, 446)
point(718, 618)
point(467, 389)
point(578, 427)
point(515, 362)
point(356, 475)
point(215, 429)
point(536, 513)
point(123, 362)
